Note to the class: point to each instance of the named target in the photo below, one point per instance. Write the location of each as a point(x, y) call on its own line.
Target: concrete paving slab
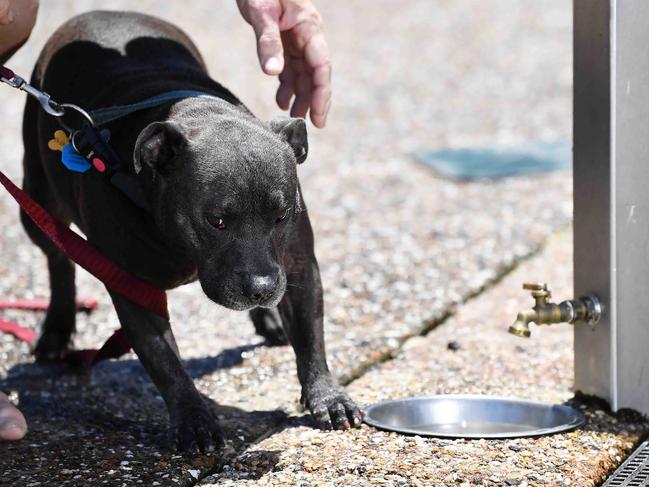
point(398, 247)
point(482, 359)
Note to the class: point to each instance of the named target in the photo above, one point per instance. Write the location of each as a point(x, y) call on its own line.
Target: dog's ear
point(157, 145)
point(293, 131)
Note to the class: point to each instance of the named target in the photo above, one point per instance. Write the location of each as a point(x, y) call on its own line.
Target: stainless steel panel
point(611, 175)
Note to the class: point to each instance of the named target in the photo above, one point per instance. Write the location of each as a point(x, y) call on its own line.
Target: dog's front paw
point(194, 428)
point(331, 406)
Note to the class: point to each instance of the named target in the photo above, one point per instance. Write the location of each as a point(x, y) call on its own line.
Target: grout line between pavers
point(434, 322)
point(427, 326)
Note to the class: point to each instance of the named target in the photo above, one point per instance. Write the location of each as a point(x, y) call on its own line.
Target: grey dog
point(223, 206)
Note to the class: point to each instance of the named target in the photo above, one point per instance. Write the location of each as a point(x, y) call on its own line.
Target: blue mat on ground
point(499, 162)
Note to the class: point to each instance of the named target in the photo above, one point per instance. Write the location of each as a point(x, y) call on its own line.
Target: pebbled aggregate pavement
point(400, 250)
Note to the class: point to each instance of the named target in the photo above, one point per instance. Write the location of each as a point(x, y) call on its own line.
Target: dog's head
point(224, 188)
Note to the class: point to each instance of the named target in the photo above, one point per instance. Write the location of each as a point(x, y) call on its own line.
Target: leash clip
point(46, 102)
point(12, 79)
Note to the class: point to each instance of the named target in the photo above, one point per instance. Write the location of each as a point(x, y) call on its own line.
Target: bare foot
point(12, 422)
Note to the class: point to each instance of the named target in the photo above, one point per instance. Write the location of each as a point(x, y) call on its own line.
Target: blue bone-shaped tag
point(73, 160)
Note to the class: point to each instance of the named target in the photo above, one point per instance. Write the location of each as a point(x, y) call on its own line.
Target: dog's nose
point(260, 287)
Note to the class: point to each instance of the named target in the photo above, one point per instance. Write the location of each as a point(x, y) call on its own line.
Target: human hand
point(12, 422)
point(291, 45)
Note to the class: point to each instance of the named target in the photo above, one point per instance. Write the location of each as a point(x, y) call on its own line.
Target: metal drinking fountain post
point(611, 203)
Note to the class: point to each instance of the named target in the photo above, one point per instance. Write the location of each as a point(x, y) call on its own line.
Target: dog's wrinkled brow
point(228, 206)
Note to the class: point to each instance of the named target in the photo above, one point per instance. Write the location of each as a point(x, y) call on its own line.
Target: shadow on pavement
point(111, 427)
point(600, 417)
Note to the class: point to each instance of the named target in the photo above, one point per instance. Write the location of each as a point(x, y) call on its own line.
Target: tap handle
point(535, 286)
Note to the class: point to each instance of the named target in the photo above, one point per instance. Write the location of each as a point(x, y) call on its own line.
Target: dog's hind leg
point(268, 324)
point(59, 322)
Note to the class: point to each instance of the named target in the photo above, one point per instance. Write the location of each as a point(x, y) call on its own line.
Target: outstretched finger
point(263, 16)
point(321, 95)
point(269, 49)
point(303, 89)
point(317, 58)
point(286, 86)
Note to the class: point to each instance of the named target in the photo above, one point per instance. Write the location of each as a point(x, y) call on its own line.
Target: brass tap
point(586, 309)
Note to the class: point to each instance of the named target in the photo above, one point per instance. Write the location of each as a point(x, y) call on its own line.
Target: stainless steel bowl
point(472, 416)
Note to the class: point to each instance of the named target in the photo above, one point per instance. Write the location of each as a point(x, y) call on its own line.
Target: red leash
point(28, 335)
point(84, 305)
point(84, 254)
point(23, 334)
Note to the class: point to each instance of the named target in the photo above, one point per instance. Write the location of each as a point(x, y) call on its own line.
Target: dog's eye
point(216, 222)
point(282, 215)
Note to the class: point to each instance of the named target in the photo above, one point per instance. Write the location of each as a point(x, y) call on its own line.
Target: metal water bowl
point(472, 416)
